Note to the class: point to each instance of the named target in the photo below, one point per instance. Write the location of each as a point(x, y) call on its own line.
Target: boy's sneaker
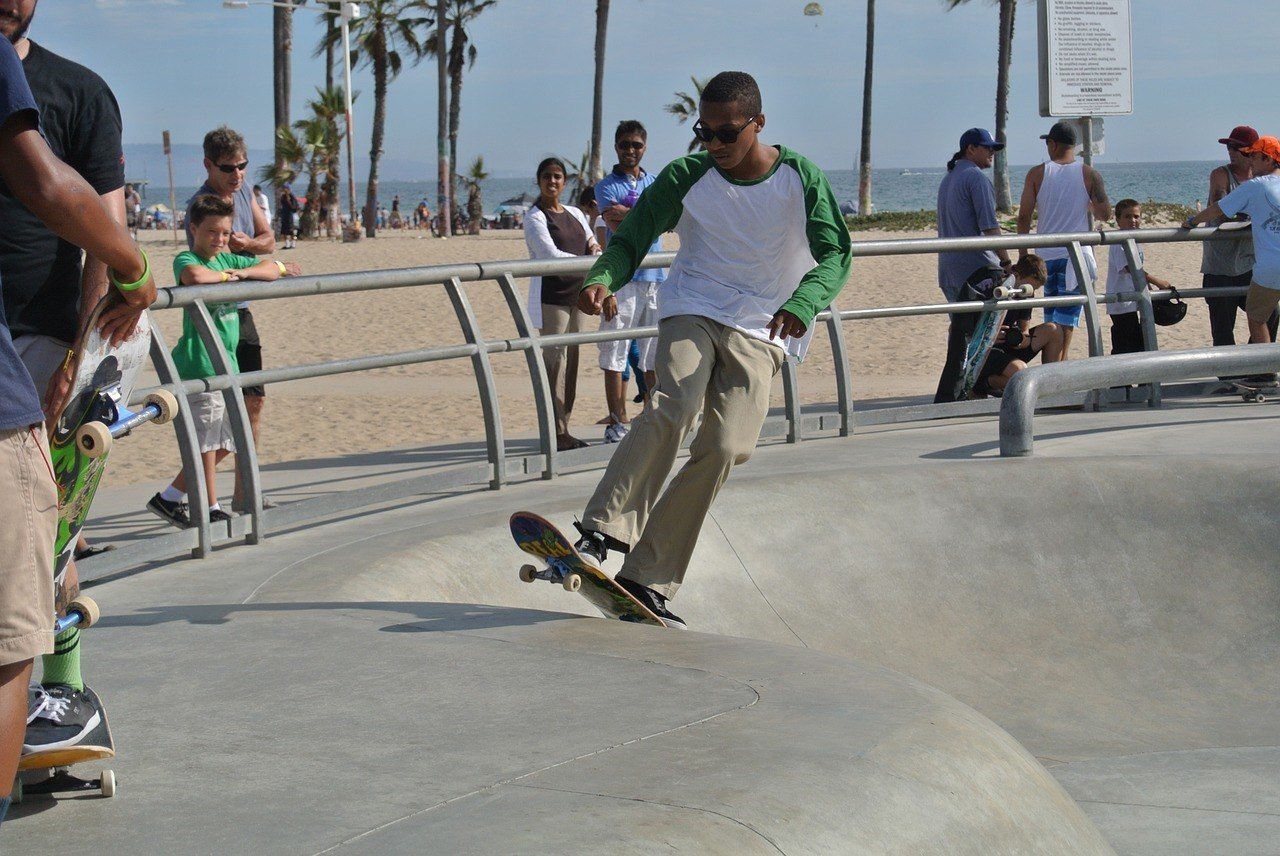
point(63, 718)
point(656, 603)
point(592, 546)
point(615, 432)
point(174, 513)
point(218, 515)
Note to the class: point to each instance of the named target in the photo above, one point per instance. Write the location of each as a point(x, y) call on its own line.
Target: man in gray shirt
point(966, 208)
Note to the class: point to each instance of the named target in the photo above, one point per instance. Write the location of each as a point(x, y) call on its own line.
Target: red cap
point(1241, 135)
point(1268, 146)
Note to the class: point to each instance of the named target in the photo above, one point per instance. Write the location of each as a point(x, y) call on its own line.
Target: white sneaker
point(615, 432)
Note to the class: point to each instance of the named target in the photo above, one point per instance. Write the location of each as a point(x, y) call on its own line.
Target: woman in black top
point(551, 231)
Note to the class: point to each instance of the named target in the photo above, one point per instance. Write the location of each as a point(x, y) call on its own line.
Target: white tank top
point(1062, 205)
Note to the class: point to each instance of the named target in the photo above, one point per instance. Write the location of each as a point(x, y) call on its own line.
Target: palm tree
point(444, 199)
point(461, 55)
point(282, 55)
point(864, 156)
point(685, 107)
point(1008, 9)
point(578, 175)
point(475, 199)
point(291, 158)
point(320, 137)
point(597, 101)
point(376, 40)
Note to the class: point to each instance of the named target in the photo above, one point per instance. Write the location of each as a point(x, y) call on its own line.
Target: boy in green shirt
point(763, 249)
point(209, 263)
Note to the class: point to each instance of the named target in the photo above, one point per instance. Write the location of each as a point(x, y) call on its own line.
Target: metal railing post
point(241, 431)
point(1146, 317)
point(844, 384)
point(488, 390)
point(1097, 397)
point(537, 374)
point(791, 399)
point(184, 428)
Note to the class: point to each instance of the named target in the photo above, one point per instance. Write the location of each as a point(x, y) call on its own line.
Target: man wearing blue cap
point(966, 208)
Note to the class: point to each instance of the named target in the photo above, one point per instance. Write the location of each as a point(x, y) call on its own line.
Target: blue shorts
point(1061, 282)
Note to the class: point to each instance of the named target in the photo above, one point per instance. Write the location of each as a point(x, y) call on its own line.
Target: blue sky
point(189, 65)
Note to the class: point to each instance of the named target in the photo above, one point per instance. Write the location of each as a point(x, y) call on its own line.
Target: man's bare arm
point(94, 280)
point(1027, 205)
point(1099, 205)
point(1217, 184)
point(263, 240)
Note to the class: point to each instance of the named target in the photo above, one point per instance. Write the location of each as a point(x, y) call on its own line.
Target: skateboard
point(985, 334)
point(93, 414)
point(1254, 392)
point(564, 565)
point(47, 772)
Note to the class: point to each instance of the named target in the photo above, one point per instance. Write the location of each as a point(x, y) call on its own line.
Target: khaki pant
point(557, 320)
point(29, 511)
point(1260, 302)
point(703, 367)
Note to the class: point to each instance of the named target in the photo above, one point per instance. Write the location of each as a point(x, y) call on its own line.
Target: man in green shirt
point(763, 249)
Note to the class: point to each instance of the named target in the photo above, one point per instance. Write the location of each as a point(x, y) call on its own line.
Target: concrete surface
point(921, 648)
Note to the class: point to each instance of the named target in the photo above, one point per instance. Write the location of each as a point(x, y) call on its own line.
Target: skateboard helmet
point(1166, 313)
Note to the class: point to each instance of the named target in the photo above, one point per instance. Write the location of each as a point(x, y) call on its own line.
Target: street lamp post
point(347, 12)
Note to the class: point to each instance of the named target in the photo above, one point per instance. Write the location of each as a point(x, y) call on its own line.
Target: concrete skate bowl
point(1117, 617)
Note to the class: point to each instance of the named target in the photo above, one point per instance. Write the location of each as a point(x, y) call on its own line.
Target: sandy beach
point(437, 402)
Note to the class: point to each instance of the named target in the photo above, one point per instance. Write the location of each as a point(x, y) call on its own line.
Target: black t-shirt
point(81, 122)
point(569, 236)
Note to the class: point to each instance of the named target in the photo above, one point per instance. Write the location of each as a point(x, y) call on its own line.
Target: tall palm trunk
point(282, 50)
point(331, 43)
point(864, 159)
point(1004, 196)
point(457, 56)
point(444, 205)
point(597, 102)
point(378, 54)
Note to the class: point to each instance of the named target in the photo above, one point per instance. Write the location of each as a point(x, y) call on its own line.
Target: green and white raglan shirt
point(747, 248)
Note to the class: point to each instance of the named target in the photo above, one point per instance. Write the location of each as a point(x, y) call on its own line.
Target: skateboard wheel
point(528, 573)
point(93, 439)
point(88, 609)
point(166, 403)
point(573, 582)
point(108, 784)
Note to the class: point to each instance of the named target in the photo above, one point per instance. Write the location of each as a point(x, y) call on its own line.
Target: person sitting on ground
point(1126, 330)
point(208, 263)
point(556, 231)
point(1015, 345)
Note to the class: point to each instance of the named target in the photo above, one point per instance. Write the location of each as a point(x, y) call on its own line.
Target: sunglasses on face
point(229, 168)
point(629, 144)
point(728, 136)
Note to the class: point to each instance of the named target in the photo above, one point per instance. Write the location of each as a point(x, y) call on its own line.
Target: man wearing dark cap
point(1229, 263)
point(966, 208)
point(1068, 195)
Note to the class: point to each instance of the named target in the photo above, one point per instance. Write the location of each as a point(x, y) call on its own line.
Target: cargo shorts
point(29, 509)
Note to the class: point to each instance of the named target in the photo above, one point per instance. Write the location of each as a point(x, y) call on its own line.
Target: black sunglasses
point(229, 168)
point(728, 136)
point(629, 144)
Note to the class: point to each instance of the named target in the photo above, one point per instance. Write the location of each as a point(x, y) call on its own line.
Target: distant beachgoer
point(1069, 195)
point(556, 231)
point(1259, 197)
point(132, 209)
point(763, 250)
point(263, 201)
point(616, 196)
point(226, 163)
point(208, 262)
point(288, 208)
point(966, 208)
point(1126, 329)
point(1227, 264)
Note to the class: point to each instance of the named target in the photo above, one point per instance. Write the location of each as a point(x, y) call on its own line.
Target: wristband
point(226, 277)
point(284, 271)
point(141, 281)
point(69, 360)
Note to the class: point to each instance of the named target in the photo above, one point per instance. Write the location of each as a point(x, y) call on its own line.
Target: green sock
point(63, 665)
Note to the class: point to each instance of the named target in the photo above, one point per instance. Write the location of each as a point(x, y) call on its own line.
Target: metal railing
point(794, 422)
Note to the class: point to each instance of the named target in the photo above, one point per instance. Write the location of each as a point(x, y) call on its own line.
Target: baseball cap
point(1061, 132)
point(1268, 146)
point(1241, 135)
point(979, 137)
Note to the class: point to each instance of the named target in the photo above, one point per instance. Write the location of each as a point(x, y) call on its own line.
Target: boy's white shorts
point(637, 307)
point(213, 430)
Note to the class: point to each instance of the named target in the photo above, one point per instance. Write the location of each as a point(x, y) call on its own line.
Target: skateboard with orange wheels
point(563, 564)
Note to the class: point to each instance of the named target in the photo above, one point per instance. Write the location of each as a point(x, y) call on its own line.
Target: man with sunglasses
point(1224, 264)
point(763, 249)
point(637, 301)
point(226, 164)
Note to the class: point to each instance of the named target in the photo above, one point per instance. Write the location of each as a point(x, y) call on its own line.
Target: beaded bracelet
point(142, 280)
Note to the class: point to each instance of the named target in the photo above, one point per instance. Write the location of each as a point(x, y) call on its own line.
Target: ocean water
point(911, 189)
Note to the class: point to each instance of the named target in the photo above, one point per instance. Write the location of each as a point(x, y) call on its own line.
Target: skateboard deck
point(46, 772)
point(984, 337)
point(80, 438)
point(1254, 392)
point(564, 565)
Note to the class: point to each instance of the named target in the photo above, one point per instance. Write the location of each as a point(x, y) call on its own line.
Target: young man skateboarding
point(763, 249)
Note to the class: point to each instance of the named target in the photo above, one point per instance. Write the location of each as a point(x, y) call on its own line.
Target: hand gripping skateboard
point(93, 414)
point(984, 335)
point(47, 771)
point(564, 565)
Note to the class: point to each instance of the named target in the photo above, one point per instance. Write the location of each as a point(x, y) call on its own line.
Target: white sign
point(1086, 58)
